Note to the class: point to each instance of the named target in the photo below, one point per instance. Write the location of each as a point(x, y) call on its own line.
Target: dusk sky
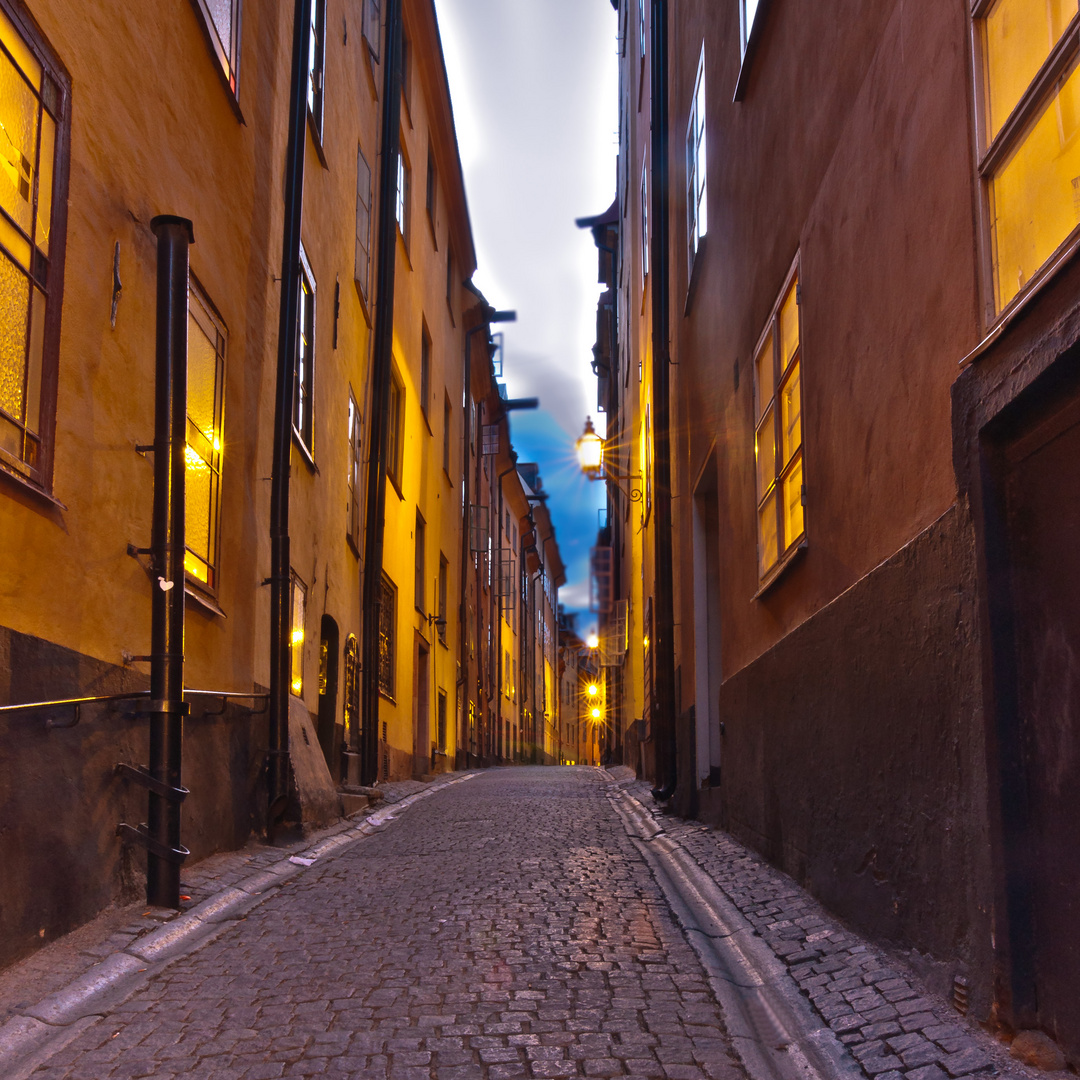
point(534, 86)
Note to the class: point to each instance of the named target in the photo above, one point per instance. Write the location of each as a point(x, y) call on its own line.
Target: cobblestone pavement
point(503, 928)
point(894, 1028)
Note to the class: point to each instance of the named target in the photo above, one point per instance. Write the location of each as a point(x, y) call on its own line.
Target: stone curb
point(25, 1035)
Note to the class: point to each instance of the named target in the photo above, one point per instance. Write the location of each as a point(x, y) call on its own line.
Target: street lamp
point(596, 465)
point(593, 641)
point(593, 689)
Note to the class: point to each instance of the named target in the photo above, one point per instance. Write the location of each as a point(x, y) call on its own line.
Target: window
point(34, 104)
point(441, 729)
point(778, 440)
point(395, 433)
point(298, 605)
point(420, 540)
point(697, 213)
point(644, 227)
point(304, 377)
point(446, 435)
point(406, 70)
point(432, 187)
point(401, 198)
point(748, 13)
point(387, 617)
point(372, 25)
point(355, 450)
point(205, 400)
point(317, 67)
point(1029, 128)
point(450, 280)
point(221, 18)
point(362, 271)
point(425, 370)
point(506, 673)
point(444, 573)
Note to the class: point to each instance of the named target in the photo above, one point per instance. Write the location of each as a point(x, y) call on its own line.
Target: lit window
point(317, 66)
point(401, 197)
point(222, 21)
point(372, 24)
point(697, 220)
point(778, 440)
point(387, 615)
point(205, 399)
point(1030, 160)
point(362, 264)
point(304, 383)
point(34, 98)
point(355, 449)
point(396, 429)
point(298, 604)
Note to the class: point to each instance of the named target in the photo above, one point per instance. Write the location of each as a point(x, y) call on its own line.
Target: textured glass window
point(355, 450)
point(206, 392)
point(296, 638)
point(362, 272)
point(317, 64)
point(222, 20)
point(31, 105)
point(1031, 160)
point(778, 435)
point(387, 615)
point(304, 384)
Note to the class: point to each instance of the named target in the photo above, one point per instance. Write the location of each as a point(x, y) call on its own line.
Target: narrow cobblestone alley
point(505, 927)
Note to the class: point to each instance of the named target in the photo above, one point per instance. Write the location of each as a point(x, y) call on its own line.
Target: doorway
point(707, 669)
point(422, 719)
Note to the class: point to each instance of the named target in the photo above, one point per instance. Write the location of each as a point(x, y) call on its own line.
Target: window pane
point(35, 361)
point(767, 537)
point(793, 507)
point(763, 376)
point(15, 45)
point(791, 414)
point(202, 378)
point(1036, 193)
point(45, 182)
point(765, 453)
point(789, 327)
point(14, 305)
point(1020, 35)
point(18, 144)
point(221, 14)
point(299, 618)
point(198, 506)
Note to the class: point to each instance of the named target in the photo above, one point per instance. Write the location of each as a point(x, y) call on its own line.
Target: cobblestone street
point(506, 927)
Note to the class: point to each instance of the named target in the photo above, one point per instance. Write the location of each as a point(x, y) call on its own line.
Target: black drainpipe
point(381, 363)
point(280, 564)
point(166, 706)
point(664, 684)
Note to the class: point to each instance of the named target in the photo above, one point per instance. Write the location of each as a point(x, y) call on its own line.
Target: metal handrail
point(76, 704)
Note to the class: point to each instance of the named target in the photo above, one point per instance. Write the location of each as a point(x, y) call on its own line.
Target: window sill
point(305, 453)
point(431, 226)
point(363, 303)
point(1034, 288)
point(792, 556)
point(26, 487)
point(386, 697)
point(695, 273)
point(354, 544)
point(748, 55)
point(395, 484)
point(317, 139)
point(206, 604)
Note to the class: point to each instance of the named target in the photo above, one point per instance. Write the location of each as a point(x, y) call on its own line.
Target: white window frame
point(697, 213)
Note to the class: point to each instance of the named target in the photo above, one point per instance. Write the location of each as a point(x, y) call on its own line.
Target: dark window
point(425, 369)
point(432, 186)
point(354, 473)
point(34, 113)
point(444, 572)
point(362, 270)
point(446, 435)
point(442, 722)
point(205, 402)
point(395, 435)
point(419, 562)
point(387, 616)
point(304, 384)
point(221, 19)
point(450, 279)
point(406, 70)
point(317, 66)
point(372, 26)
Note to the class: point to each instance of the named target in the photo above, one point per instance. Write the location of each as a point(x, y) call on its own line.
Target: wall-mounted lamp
point(596, 465)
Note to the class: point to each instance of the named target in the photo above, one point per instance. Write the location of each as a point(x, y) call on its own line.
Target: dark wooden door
point(1043, 508)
